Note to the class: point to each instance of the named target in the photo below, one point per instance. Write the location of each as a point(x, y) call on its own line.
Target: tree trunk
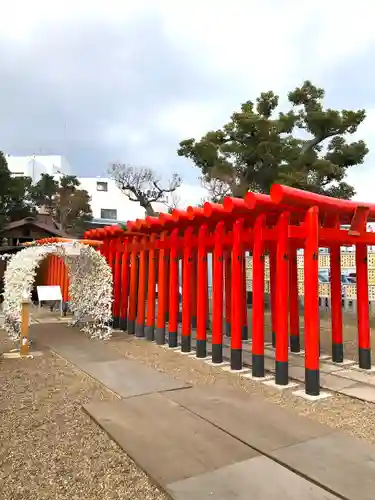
point(148, 207)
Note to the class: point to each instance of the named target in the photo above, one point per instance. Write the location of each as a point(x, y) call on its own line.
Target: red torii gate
point(148, 254)
point(55, 271)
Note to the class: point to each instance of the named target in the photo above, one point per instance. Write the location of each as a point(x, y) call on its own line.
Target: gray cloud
point(61, 92)
point(88, 89)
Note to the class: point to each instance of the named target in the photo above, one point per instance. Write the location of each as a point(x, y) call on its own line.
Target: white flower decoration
point(90, 287)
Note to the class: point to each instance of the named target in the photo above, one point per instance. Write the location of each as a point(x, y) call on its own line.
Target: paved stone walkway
point(344, 378)
point(206, 443)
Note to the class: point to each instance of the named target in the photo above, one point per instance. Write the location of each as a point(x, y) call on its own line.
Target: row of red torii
point(149, 253)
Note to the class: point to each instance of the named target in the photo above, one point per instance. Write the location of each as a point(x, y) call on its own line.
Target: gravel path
point(50, 449)
point(349, 414)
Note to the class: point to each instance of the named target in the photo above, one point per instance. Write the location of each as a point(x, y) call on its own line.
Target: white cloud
point(189, 119)
point(343, 29)
point(190, 195)
point(362, 177)
point(20, 19)
point(113, 133)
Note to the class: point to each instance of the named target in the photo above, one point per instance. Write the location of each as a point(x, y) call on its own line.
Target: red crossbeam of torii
point(168, 249)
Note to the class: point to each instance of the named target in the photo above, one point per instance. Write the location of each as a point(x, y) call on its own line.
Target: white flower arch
point(90, 287)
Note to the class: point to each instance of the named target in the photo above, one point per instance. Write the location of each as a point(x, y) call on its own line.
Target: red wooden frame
point(276, 225)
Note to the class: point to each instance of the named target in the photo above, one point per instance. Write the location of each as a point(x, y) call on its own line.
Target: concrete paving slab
point(218, 365)
point(299, 353)
point(269, 363)
point(335, 383)
point(360, 391)
point(302, 394)
point(294, 358)
point(363, 370)
point(227, 368)
point(82, 352)
point(329, 367)
point(247, 480)
point(260, 424)
point(345, 363)
point(358, 376)
point(167, 441)
point(272, 384)
point(324, 356)
point(297, 372)
point(338, 462)
point(72, 344)
point(128, 378)
point(207, 358)
point(250, 376)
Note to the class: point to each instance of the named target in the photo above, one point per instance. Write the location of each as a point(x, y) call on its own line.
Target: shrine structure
point(155, 254)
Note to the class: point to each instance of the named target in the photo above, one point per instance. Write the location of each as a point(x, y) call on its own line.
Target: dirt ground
point(49, 448)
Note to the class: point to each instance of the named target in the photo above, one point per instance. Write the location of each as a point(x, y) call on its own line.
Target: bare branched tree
point(174, 201)
point(217, 189)
point(142, 184)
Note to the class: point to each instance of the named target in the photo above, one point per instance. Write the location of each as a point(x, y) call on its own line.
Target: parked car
point(352, 277)
point(323, 277)
point(346, 280)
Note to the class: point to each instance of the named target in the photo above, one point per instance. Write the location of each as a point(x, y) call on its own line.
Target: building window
point(102, 186)
point(108, 213)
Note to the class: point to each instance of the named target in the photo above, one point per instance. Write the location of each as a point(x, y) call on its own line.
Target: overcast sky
point(117, 80)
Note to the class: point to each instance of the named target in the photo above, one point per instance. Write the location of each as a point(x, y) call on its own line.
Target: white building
point(35, 165)
point(110, 205)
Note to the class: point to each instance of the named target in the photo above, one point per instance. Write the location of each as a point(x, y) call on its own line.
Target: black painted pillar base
point(186, 343)
point(312, 382)
point(139, 330)
point(172, 339)
point(364, 358)
point(281, 373)
point(194, 322)
point(201, 349)
point(160, 335)
point(337, 353)
point(115, 322)
point(227, 329)
point(149, 333)
point(236, 359)
point(123, 324)
point(217, 353)
point(131, 326)
point(295, 343)
point(258, 365)
point(273, 339)
point(245, 332)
